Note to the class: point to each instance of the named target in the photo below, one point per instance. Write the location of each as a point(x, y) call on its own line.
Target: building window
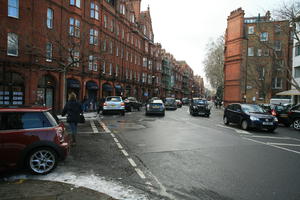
point(297, 72)
point(104, 45)
point(112, 25)
point(297, 49)
point(74, 27)
point(117, 51)
point(49, 52)
point(105, 21)
point(251, 51)
point(75, 3)
point(93, 37)
point(12, 44)
point(110, 69)
point(123, 34)
point(266, 52)
point(117, 70)
point(122, 9)
point(94, 11)
point(74, 58)
point(110, 47)
point(277, 29)
point(276, 83)
point(117, 29)
point(259, 52)
point(277, 45)
point(49, 18)
point(103, 67)
point(93, 65)
point(264, 36)
point(261, 73)
point(13, 8)
point(145, 62)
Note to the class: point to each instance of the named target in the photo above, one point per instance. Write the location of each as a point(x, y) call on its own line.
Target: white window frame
point(12, 44)
point(103, 67)
point(13, 7)
point(75, 3)
point(93, 37)
point(264, 36)
point(250, 51)
point(50, 16)
point(275, 83)
point(49, 52)
point(105, 21)
point(251, 30)
point(74, 27)
point(94, 10)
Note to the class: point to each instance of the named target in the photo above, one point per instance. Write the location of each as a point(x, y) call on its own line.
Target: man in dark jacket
point(73, 110)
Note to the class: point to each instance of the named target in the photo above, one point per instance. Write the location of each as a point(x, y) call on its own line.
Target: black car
point(249, 116)
point(170, 104)
point(155, 107)
point(185, 101)
point(199, 107)
point(294, 116)
point(131, 103)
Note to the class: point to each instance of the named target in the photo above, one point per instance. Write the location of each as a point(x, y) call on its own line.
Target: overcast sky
point(184, 27)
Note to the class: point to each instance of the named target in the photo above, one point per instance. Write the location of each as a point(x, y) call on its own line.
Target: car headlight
point(254, 118)
point(148, 106)
point(275, 119)
point(194, 107)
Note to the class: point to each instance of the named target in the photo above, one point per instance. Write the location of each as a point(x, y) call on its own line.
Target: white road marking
point(125, 153)
point(278, 147)
point(270, 137)
point(132, 162)
point(116, 140)
point(104, 127)
point(284, 144)
point(95, 130)
point(113, 135)
point(119, 145)
point(236, 130)
point(140, 173)
point(148, 183)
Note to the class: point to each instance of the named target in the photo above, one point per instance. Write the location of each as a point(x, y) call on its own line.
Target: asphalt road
point(186, 157)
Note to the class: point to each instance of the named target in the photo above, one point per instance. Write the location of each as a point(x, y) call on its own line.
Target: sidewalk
point(47, 190)
point(86, 115)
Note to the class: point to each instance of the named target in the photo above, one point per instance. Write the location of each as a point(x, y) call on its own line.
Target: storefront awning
point(92, 85)
point(119, 88)
point(289, 92)
point(72, 83)
point(107, 87)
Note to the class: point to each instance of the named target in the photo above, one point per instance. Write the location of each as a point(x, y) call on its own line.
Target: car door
point(236, 114)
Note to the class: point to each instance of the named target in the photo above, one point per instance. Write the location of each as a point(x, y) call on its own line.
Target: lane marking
point(284, 144)
point(140, 173)
point(125, 153)
point(236, 130)
point(104, 126)
point(95, 130)
point(278, 147)
point(113, 135)
point(119, 145)
point(116, 140)
point(132, 162)
point(270, 137)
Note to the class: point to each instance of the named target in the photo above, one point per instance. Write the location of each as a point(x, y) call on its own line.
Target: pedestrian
point(84, 104)
point(73, 110)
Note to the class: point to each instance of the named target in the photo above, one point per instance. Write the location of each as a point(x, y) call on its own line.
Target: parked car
point(179, 103)
point(113, 104)
point(131, 103)
point(249, 116)
point(170, 104)
point(155, 107)
point(185, 101)
point(199, 106)
point(279, 111)
point(31, 138)
point(294, 116)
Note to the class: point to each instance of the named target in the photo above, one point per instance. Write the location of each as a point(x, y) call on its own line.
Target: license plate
point(267, 123)
point(155, 107)
point(113, 105)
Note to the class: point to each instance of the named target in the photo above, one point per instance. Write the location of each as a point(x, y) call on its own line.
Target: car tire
point(271, 130)
point(244, 125)
point(225, 120)
point(123, 113)
point(130, 109)
point(296, 124)
point(42, 160)
point(163, 114)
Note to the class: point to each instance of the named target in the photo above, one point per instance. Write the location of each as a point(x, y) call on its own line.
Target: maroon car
point(31, 138)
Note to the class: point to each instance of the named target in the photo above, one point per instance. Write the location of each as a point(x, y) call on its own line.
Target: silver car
point(113, 104)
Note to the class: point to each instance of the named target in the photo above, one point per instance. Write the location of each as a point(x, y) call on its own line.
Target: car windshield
point(252, 109)
point(131, 98)
point(170, 100)
point(199, 101)
point(114, 99)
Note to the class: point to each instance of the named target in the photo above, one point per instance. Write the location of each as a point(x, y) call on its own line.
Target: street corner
point(26, 189)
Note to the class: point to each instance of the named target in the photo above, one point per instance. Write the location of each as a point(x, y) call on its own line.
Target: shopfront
point(128, 91)
point(73, 85)
point(12, 89)
point(92, 89)
point(118, 90)
point(46, 91)
point(107, 90)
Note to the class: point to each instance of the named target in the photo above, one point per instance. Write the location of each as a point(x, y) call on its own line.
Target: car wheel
point(271, 130)
point(123, 113)
point(163, 114)
point(130, 109)
point(296, 124)
point(42, 160)
point(244, 125)
point(225, 120)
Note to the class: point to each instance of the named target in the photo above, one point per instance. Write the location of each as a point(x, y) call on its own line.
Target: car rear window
point(115, 99)
point(199, 101)
point(23, 120)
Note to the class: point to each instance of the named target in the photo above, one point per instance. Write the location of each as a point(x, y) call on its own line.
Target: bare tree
point(214, 63)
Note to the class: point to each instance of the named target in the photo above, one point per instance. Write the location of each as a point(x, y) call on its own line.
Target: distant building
point(257, 54)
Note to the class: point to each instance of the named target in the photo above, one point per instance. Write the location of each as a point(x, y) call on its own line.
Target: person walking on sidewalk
point(73, 110)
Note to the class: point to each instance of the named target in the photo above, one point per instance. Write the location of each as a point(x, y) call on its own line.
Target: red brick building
point(95, 48)
point(255, 51)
